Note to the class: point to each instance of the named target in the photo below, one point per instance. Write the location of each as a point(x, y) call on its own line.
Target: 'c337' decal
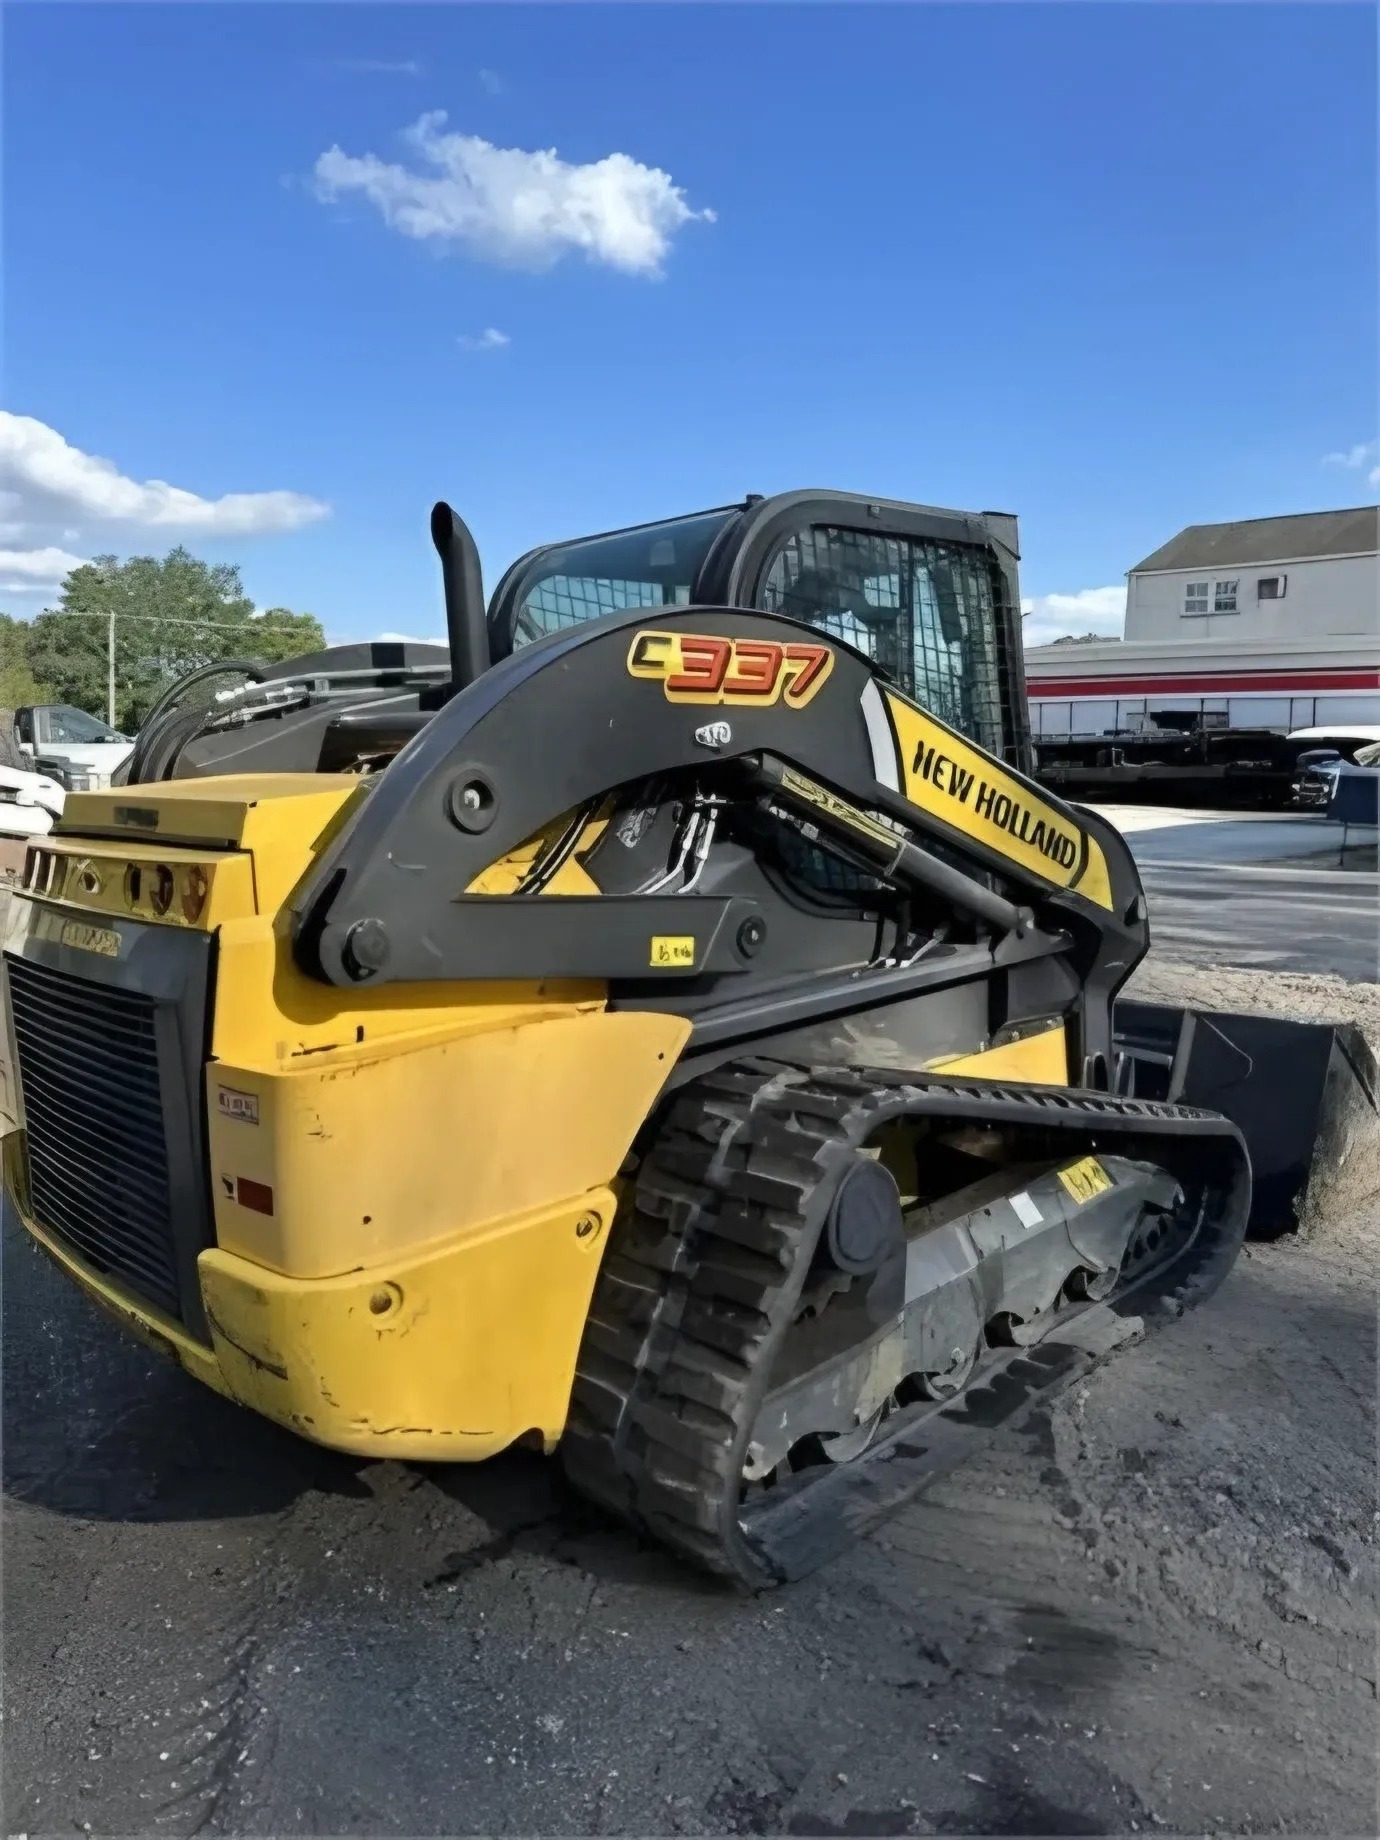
point(943, 775)
point(701, 668)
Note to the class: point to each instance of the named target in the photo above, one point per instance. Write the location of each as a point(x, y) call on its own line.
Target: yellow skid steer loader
point(673, 1030)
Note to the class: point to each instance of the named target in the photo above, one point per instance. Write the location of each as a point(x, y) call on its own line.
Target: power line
point(158, 619)
point(249, 629)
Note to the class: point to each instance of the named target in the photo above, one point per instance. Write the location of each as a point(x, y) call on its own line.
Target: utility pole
point(110, 668)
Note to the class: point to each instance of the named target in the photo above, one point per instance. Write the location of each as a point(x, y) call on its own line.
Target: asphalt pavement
point(1150, 1608)
point(1275, 918)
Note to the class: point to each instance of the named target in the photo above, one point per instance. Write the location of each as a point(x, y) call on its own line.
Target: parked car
point(71, 746)
point(30, 803)
point(1318, 770)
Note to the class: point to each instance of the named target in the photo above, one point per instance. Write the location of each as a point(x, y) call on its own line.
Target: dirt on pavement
point(1304, 996)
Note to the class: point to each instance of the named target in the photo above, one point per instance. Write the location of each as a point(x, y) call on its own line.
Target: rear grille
point(98, 1157)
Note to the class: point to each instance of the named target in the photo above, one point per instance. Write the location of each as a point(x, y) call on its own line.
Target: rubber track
point(705, 1267)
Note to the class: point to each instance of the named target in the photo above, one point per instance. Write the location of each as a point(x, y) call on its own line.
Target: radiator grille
point(98, 1158)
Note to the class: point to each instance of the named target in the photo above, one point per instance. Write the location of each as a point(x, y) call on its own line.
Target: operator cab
point(928, 595)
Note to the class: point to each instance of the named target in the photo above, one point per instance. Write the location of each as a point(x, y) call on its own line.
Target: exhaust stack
point(466, 626)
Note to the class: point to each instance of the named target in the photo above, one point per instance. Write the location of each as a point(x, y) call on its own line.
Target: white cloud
point(52, 494)
point(1355, 456)
point(505, 205)
point(44, 472)
point(491, 83)
point(490, 339)
point(408, 639)
point(1359, 454)
point(31, 571)
point(1090, 610)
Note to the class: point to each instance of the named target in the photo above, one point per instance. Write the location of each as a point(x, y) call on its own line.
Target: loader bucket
point(1304, 1095)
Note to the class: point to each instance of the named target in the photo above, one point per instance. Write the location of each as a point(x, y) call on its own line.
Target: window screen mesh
point(929, 613)
point(567, 600)
point(653, 565)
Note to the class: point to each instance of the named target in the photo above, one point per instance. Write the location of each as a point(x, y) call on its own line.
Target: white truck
point(66, 744)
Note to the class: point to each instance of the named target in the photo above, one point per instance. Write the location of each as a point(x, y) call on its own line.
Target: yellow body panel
point(452, 1354)
point(233, 812)
point(374, 1151)
point(406, 1361)
point(1034, 1060)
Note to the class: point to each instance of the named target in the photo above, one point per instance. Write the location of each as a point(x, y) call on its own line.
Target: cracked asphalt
point(1152, 1607)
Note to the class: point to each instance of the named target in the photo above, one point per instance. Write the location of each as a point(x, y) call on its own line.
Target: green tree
point(171, 615)
point(18, 684)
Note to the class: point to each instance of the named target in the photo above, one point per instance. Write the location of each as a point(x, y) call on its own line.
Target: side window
point(927, 612)
point(568, 600)
point(24, 724)
point(563, 585)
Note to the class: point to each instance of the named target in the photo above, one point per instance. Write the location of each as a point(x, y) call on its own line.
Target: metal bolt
point(750, 936)
point(585, 1225)
point(471, 801)
point(366, 947)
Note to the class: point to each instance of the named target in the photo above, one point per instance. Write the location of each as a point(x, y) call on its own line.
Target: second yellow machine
point(672, 1030)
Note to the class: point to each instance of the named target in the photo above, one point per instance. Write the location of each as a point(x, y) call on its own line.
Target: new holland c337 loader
point(673, 1031)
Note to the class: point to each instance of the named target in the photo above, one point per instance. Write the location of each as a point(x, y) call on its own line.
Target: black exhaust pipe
point(466, 626)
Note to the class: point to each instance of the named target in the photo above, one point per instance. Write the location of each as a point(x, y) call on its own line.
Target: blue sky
point(1110, 267)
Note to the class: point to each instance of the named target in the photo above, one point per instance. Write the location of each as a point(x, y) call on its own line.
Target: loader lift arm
point(859, 768)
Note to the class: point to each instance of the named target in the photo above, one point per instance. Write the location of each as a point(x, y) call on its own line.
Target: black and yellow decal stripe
point(812, 793)
point(944, 775)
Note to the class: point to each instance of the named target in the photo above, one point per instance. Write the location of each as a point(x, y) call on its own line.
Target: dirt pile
point(1303, 996)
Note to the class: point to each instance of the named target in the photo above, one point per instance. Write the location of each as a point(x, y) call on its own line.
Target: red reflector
point(256, 1195)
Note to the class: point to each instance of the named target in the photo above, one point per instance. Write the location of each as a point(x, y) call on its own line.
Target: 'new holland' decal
point(945, 776)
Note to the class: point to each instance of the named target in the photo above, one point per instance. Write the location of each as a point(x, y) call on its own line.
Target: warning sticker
point(672, 949)
point(1085, 1180)
point(241, 1105)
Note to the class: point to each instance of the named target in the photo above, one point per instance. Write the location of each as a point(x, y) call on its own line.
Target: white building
point(1267, 623)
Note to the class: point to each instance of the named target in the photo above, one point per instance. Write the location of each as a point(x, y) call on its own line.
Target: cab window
point(927, 612)
point(654, 565)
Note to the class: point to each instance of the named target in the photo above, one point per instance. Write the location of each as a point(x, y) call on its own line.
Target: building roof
point(1274, 539)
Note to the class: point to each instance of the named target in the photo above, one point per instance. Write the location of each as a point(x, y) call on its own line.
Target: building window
point(1224, 597)
point(1195, 597)
point(1271, 587)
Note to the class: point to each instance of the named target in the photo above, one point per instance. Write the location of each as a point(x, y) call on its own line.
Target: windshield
point(74, 725)
point(653, 565)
